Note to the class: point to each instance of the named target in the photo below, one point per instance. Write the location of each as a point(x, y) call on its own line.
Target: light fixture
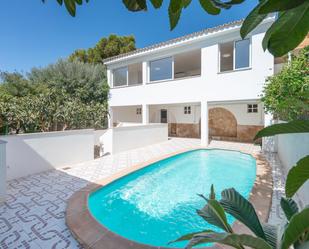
point(226, 55)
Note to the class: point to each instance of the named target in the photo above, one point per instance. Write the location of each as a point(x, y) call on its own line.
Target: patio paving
point(33, 216)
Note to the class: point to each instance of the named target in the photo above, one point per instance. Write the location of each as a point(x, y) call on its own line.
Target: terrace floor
point(34, 214)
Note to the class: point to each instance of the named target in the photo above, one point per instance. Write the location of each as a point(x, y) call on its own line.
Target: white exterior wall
point(28, 154)
point(241, 114)
point(175, 113)
point(125, 138)
point(210, 86)
point(126, 114)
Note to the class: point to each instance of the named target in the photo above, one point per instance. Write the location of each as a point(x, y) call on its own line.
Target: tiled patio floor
point(33, 216)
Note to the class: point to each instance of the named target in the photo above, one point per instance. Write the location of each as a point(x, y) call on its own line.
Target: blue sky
point(35, 34)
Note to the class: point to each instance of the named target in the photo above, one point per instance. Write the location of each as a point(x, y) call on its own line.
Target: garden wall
point(27, 154)
point(2, 171)
point(124, 138)
point(291, 148)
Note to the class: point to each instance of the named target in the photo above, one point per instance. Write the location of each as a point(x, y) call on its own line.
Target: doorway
point(163, 116)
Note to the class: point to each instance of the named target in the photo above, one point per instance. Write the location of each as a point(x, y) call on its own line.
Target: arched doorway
point(222, 123)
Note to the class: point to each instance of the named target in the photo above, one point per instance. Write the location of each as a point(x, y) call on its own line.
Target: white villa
point(204, 85)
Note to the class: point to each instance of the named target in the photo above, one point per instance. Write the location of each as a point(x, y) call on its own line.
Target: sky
point(34, 34)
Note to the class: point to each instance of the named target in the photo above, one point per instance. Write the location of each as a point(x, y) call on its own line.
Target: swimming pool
point(158, 203)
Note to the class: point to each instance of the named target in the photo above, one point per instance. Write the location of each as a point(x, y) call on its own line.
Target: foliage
point(289, 29)
point(65, 95)
point(296, 126)
point(297, 176)
point(105, 48)
point(287, 93)
point(79, 80)
point(16, 84)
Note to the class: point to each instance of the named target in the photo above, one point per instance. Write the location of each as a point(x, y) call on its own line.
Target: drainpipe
point(2, 171)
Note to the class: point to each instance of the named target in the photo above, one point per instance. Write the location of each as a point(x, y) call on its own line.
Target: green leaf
point(174, 12)
point(237, 206)
point(252, 20)
point(212, 194)
point(271, 233)
point(279, 5)
point(234, 240)
point(209, 7)
point(297, 126)
point(297, 176)
point(157, 3)
point(190, 236)
point(288, 30)
point(298, 225)
point(135, 5)
point(289, 207)
point(214, 214)
point(70, 6)
point(186, 3)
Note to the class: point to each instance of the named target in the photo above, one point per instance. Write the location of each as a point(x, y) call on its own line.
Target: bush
point(286, 95)
point(66, 95)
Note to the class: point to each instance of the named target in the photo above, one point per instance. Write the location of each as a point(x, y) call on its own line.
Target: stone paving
point(33, 215)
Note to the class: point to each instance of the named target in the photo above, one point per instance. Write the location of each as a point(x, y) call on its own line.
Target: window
point(135, 72)
point(120, 76)
point(161, 69)
point(139, 111)
point(187, 64)
point(234, 55)
point(242, 53)
point(187, 110)
point(252, 108)
point(226, 56)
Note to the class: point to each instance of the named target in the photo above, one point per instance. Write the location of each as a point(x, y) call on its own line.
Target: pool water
point(157, 204)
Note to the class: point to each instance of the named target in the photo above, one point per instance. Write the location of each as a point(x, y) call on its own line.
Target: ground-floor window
point(187, 110)
point(139, 111)
point(252, 108)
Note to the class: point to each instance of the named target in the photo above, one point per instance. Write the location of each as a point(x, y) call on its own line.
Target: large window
point(187, 64)
point(234, 55)
point(130, 75)
point(161, 69)
point(120, 77)
point(242, 53)
point(135, 74)
point(226, 56)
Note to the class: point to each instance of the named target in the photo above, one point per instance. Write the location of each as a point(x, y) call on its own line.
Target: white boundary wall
point(125, 138)
point(2, 171)
point(291, 148)
point(27, 154)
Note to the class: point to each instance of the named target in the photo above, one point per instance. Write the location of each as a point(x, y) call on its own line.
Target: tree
point(78, 80)
point(16, 84)
point(289, 29)
point(106, 47)
point(64, 95)
point(286, 94)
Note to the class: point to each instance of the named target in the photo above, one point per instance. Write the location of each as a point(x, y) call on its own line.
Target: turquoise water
point(158, 204)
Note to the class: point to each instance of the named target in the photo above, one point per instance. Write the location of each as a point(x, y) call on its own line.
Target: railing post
point(2, 171)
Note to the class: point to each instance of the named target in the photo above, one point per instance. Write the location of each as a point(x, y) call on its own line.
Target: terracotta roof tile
point(176, 40)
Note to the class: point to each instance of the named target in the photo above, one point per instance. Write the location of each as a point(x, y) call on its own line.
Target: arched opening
point(222, 123)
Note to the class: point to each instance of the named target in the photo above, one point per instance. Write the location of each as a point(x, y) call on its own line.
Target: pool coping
point(91, 234)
